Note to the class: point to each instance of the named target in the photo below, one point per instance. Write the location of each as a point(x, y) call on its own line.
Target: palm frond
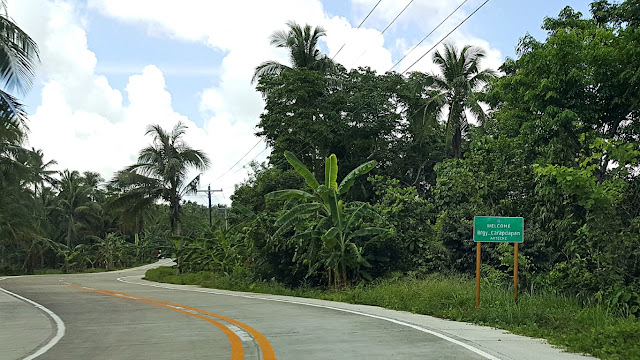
point(18, 56)
point(11, 109)
point(269, 67)
point(191, 187)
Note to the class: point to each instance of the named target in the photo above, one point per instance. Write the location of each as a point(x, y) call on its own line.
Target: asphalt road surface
point(118, 315)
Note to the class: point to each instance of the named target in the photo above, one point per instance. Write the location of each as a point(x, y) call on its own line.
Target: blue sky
point(111, 67)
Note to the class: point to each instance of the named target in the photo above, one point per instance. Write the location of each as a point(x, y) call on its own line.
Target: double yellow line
point(237, 351)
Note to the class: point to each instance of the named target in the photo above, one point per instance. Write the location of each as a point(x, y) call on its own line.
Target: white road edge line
point(60, 328)
point(398, 322)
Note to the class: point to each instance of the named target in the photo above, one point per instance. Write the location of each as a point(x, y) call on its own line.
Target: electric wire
point(362, 22)
point(449, 33)
point(385, 29)
point(237, 162)
point(255, 157)
point(429, 34)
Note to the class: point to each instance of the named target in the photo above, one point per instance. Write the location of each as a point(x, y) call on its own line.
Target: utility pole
point(209, 191)
point(226, 219)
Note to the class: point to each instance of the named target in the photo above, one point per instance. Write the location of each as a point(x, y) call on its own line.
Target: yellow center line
point(237, 351)
point(265, 346)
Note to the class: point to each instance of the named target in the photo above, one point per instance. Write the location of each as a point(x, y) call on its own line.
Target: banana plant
point(335, 223)
point(72, 258)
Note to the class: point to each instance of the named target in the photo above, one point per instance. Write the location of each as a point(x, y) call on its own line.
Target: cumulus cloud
point(66, 59)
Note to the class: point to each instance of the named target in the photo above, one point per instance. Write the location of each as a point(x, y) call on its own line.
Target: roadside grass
point(563, 321)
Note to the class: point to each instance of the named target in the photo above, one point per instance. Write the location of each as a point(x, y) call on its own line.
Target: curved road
point(117, 315)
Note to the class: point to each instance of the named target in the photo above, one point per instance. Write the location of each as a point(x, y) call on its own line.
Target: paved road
point(119, 316)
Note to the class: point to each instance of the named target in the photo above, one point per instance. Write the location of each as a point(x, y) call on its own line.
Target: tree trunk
point(457, 143)
point(69, 232)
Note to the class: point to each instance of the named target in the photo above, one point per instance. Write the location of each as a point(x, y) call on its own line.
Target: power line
point(385, 29)
point(237, 162)
point(449, 33)
point(343, 45)
point(362, 22)
point(336, 54)
point(397, 16)
point(255, 157)
point(429, 34)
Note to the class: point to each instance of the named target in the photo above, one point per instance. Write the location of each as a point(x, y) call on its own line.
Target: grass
point(563, 321)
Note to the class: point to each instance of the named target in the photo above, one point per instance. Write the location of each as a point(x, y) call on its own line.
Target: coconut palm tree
point(74, 207)
point(18, 57)
point(40, 172)
point(161, 174)
point(456, 88)
point(303, 51)
point(93, 180)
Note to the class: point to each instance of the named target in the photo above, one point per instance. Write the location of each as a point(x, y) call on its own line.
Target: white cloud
point(56, 28)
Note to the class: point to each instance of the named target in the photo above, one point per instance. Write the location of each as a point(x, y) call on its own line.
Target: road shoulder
point(24, 328)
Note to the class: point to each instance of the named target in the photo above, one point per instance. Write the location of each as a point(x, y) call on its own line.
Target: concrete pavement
point(23, 327)
point(121, 316)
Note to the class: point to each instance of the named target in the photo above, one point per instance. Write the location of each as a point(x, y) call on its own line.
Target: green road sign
point(498, 229)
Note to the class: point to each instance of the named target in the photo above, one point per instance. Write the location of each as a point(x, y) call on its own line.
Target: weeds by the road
point(561, 320)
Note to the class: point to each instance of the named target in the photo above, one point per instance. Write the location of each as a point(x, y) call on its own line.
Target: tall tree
point(40, 171)
point(302, 44)
point(456, 89)
point(74, 206)
point(161, 173)
point(93, 180)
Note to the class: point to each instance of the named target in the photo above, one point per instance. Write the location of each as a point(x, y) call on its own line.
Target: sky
point(110, 68)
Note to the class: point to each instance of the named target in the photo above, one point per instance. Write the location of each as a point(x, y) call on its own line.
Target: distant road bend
point(117, 315)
